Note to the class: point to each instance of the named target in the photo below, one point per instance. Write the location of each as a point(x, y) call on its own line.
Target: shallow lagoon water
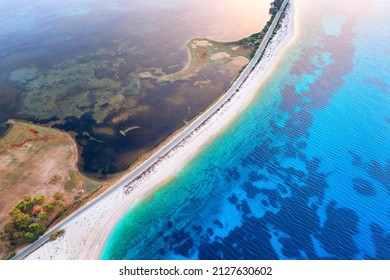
point(78, 66)
point(303, 173)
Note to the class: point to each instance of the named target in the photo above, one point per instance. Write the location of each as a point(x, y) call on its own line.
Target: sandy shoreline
point(86, 234)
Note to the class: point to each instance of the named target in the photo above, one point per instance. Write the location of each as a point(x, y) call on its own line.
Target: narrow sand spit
point(87, 232)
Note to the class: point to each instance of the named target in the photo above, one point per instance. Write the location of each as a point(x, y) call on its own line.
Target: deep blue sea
point(304, 172)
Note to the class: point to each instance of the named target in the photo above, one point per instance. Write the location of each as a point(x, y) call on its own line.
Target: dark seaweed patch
point(301, 145)
point(290, 99)
point(380, 173)
point(356, 159)
point(250, 241)
point(232, 174)
point(271, 196)
point(261, 155)
point(363, 187)
point(181, 243)
point(339, 229)
point(218, 223)
point(251, 190)
point(254, 177)
point(197, 229)
point(244, 207)
point(161, 251)
point(381, 241)
point(290, 151)
point(299, 222)
point(233, 199)
point(283, 190)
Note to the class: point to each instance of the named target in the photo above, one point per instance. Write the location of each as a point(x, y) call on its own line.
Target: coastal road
point(23, 253)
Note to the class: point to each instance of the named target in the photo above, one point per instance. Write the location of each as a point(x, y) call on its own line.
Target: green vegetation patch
point(56, 234)
point(32, 216)
point(29, 221)
point(72, 182)
point(91, 186)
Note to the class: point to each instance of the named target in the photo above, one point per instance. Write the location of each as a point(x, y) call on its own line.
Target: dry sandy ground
point(220, 55)
point(36, 160)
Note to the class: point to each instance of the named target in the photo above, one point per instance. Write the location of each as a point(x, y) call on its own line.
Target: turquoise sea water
point(303, 173)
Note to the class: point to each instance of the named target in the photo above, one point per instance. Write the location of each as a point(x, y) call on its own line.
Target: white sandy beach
point(87, 232)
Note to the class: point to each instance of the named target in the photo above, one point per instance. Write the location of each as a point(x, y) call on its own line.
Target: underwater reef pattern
point(303, 173)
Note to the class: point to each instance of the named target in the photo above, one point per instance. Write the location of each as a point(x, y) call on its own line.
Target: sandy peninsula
point(87, 231)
